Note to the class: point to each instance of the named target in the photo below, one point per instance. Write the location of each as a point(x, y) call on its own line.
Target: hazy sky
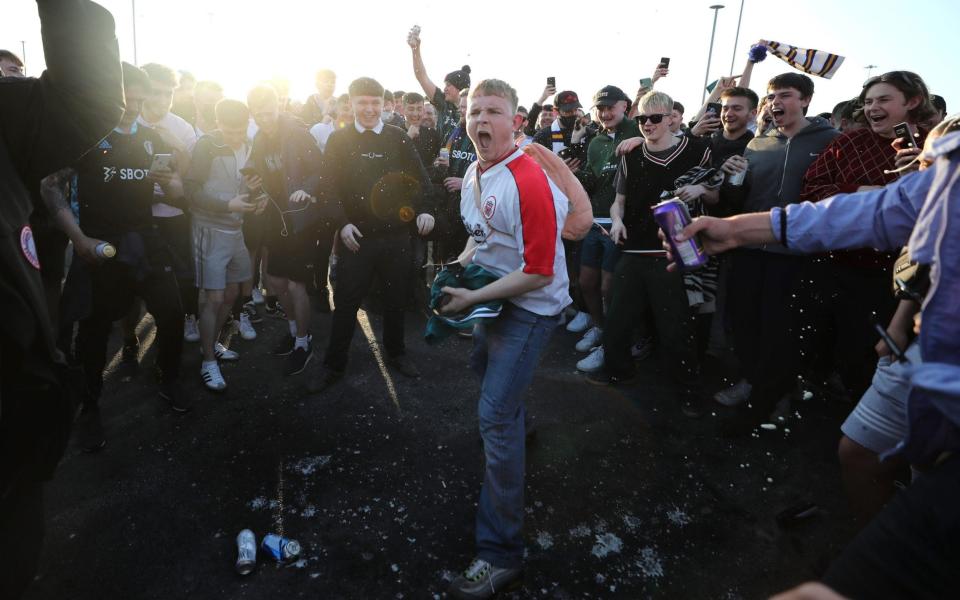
point(240, 42)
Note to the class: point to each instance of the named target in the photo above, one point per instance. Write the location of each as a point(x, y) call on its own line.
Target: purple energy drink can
point(672, 216)
point(280, 548)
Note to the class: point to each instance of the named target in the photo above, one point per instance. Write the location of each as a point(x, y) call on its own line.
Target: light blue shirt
point(922, 209)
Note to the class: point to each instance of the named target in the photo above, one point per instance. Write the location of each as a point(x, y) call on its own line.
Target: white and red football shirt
point(517, 226)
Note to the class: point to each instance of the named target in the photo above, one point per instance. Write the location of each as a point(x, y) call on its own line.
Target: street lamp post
point(736, 40)
point(133, 4)
point(23, 55)
point(706, 77)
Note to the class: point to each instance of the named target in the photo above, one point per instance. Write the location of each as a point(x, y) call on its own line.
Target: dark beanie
point(459, 79)
point(365, 86)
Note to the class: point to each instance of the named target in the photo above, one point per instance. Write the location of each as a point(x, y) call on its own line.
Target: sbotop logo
point(111, 173)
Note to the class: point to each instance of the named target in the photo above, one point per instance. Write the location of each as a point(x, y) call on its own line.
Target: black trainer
point(270, 305)
point(173, 395)
point(285, 346)
point(252, 313)
point(604, 378)
point(298, 360)
point(404, 366)
point(323, 379)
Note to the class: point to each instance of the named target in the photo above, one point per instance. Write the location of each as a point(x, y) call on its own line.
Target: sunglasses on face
point(656, 119)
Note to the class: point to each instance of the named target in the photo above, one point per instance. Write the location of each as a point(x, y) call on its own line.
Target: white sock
point(207, 363)
point(302, 342)
point(293, 328)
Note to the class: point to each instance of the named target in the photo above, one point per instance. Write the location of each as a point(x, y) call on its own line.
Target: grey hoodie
point(778, 164)
point(212, 182)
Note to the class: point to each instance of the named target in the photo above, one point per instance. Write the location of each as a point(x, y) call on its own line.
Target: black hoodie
point(777, 167)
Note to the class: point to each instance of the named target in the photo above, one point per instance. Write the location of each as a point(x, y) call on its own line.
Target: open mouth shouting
point(484, 140)
point(777, 113)
point(877, 119)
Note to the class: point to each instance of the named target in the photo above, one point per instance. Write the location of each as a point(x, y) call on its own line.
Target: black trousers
point(386, 257)
point(760, 301)
point(839, 305)
point(114, 285)
point(642, 284)
point(178, 233)
point(910, 550)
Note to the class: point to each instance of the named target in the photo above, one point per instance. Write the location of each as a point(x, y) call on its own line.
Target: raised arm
point(420, 71)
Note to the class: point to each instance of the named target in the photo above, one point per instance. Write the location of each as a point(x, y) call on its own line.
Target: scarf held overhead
point(814, 62)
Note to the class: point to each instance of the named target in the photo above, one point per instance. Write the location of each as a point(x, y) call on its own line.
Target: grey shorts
point(220, 257)
point(879, 421)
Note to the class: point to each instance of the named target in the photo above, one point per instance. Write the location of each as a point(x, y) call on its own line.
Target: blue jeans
point(505, 353)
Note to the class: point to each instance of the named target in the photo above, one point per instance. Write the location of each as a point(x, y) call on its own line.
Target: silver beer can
point(736, 180)
point(246, 552)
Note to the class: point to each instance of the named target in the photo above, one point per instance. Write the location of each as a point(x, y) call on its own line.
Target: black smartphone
point(665, 62)
point(552, 81)
point(895, 350)
point(713, 107)
point(565, 153)
point(905, 130)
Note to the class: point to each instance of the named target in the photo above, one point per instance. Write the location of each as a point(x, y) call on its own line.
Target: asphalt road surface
point(378, 479)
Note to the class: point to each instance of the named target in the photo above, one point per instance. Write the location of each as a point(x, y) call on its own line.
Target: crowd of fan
point(263, 204)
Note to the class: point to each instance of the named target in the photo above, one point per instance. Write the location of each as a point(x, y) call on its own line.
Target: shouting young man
point(514, 214)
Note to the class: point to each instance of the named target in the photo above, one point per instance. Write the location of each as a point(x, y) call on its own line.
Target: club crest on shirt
point(489, 207)
point(29, 247)
point(148, 147)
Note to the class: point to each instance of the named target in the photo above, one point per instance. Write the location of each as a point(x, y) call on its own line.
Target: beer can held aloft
point(672, 216)
point(736, 180)
point(106, 250)
point(246, 552)
point(280, 548)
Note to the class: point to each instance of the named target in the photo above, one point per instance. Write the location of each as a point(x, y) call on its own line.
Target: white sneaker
point(224, 353)
point(593, 362)
point(247, 331)
point(212, 378)
point(257, 296)
point(580, 323)
point(642, 349)
point(191, 333)
point(590, 340)
point(735, 394)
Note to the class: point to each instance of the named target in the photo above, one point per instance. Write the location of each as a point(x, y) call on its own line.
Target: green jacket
point(598, 174)
point(472, 277)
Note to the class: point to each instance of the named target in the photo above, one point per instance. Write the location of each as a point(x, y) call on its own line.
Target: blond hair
point(657, 101)
point(496, 87)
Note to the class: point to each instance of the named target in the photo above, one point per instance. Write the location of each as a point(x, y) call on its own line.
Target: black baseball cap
point(609, 95)
point(567, 101)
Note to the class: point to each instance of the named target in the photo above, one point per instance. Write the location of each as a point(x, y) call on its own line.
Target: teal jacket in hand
point(472, 277)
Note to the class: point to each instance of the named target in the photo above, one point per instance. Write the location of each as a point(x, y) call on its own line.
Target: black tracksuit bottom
point(114, 285)
point(760, 301)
